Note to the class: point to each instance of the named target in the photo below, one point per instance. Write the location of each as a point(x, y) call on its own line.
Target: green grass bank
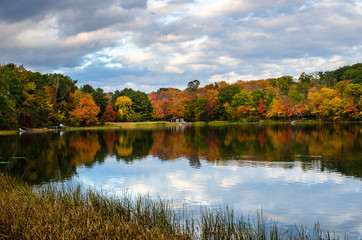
point(164, 124)
point(53, 213)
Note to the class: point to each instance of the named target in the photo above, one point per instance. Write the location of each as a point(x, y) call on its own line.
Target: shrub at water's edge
point(66, 213)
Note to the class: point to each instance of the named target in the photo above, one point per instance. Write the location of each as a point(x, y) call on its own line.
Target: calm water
point(298, 174)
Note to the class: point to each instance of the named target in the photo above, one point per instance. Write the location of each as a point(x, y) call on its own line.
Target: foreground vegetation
point(53, 213)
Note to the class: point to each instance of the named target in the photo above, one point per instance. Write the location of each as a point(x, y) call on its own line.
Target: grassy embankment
point(115, 125)
point(51, 213)
point(163, 124)
point(125, 125)
point(7, 132)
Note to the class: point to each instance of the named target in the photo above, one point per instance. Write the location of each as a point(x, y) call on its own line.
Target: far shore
point(162, 124)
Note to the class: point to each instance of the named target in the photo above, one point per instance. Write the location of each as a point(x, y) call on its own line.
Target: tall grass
point(73, 213)
point(53, 213)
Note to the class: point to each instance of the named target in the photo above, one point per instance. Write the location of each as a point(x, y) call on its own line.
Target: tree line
point(333, 95)
point(31, 99)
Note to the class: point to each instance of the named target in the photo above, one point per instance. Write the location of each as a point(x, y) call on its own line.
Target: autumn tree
point(157, 112)
point(170, 100)
point(261, 108)
point(86, 112)
point(109, 114)
point(278, 110)
point(351, 111)
point(124, 106)
point(211, 106)
point(141, 104)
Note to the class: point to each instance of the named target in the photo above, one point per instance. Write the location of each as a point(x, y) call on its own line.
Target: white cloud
point(211, 40)
point(231, 77)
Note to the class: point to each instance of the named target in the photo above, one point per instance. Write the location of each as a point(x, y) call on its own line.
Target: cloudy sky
point(148, 44)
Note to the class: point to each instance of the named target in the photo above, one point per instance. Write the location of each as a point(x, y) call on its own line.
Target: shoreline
point(164, 124)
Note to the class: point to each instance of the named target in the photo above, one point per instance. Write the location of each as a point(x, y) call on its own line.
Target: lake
point(297, 174)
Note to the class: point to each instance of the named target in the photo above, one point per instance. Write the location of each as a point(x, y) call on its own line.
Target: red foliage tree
point(109, 114)
point(261, 108)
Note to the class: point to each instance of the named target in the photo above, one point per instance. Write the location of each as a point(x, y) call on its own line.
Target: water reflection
point(299, 174)
point(286, 191)
point(40, 158)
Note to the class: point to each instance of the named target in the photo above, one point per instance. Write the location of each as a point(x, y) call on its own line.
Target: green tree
point(100, 99)
point(354, 74)
point(142, 105)
point(284, 83)
point(200, 112)
point(61, 86)
point(304, 84)
point(193, 85)
point(226, 95)
point(240, 99)
point(256, 95)
point(87, 89)
point(7, 113)
point(189, 109)
point(295, 96)
point(353, 92)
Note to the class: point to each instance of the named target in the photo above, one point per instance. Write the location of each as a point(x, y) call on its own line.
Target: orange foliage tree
point(86, 112)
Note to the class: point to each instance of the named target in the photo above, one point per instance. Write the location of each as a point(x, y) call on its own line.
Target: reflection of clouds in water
point(289, 194)
point(288, 171)
point(114, 181)
point(229, 183)
point(86, 181)
point(295, 175)
point(141, 188)
point(191, 188)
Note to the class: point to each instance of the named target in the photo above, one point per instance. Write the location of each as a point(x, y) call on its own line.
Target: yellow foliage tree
point(124, 106)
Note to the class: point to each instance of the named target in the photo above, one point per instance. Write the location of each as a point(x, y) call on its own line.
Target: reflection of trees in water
point(338, 146)
point(85, 145)
point(45, 157)
point(36, 158)
point(39, 158)
point(133, 145)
